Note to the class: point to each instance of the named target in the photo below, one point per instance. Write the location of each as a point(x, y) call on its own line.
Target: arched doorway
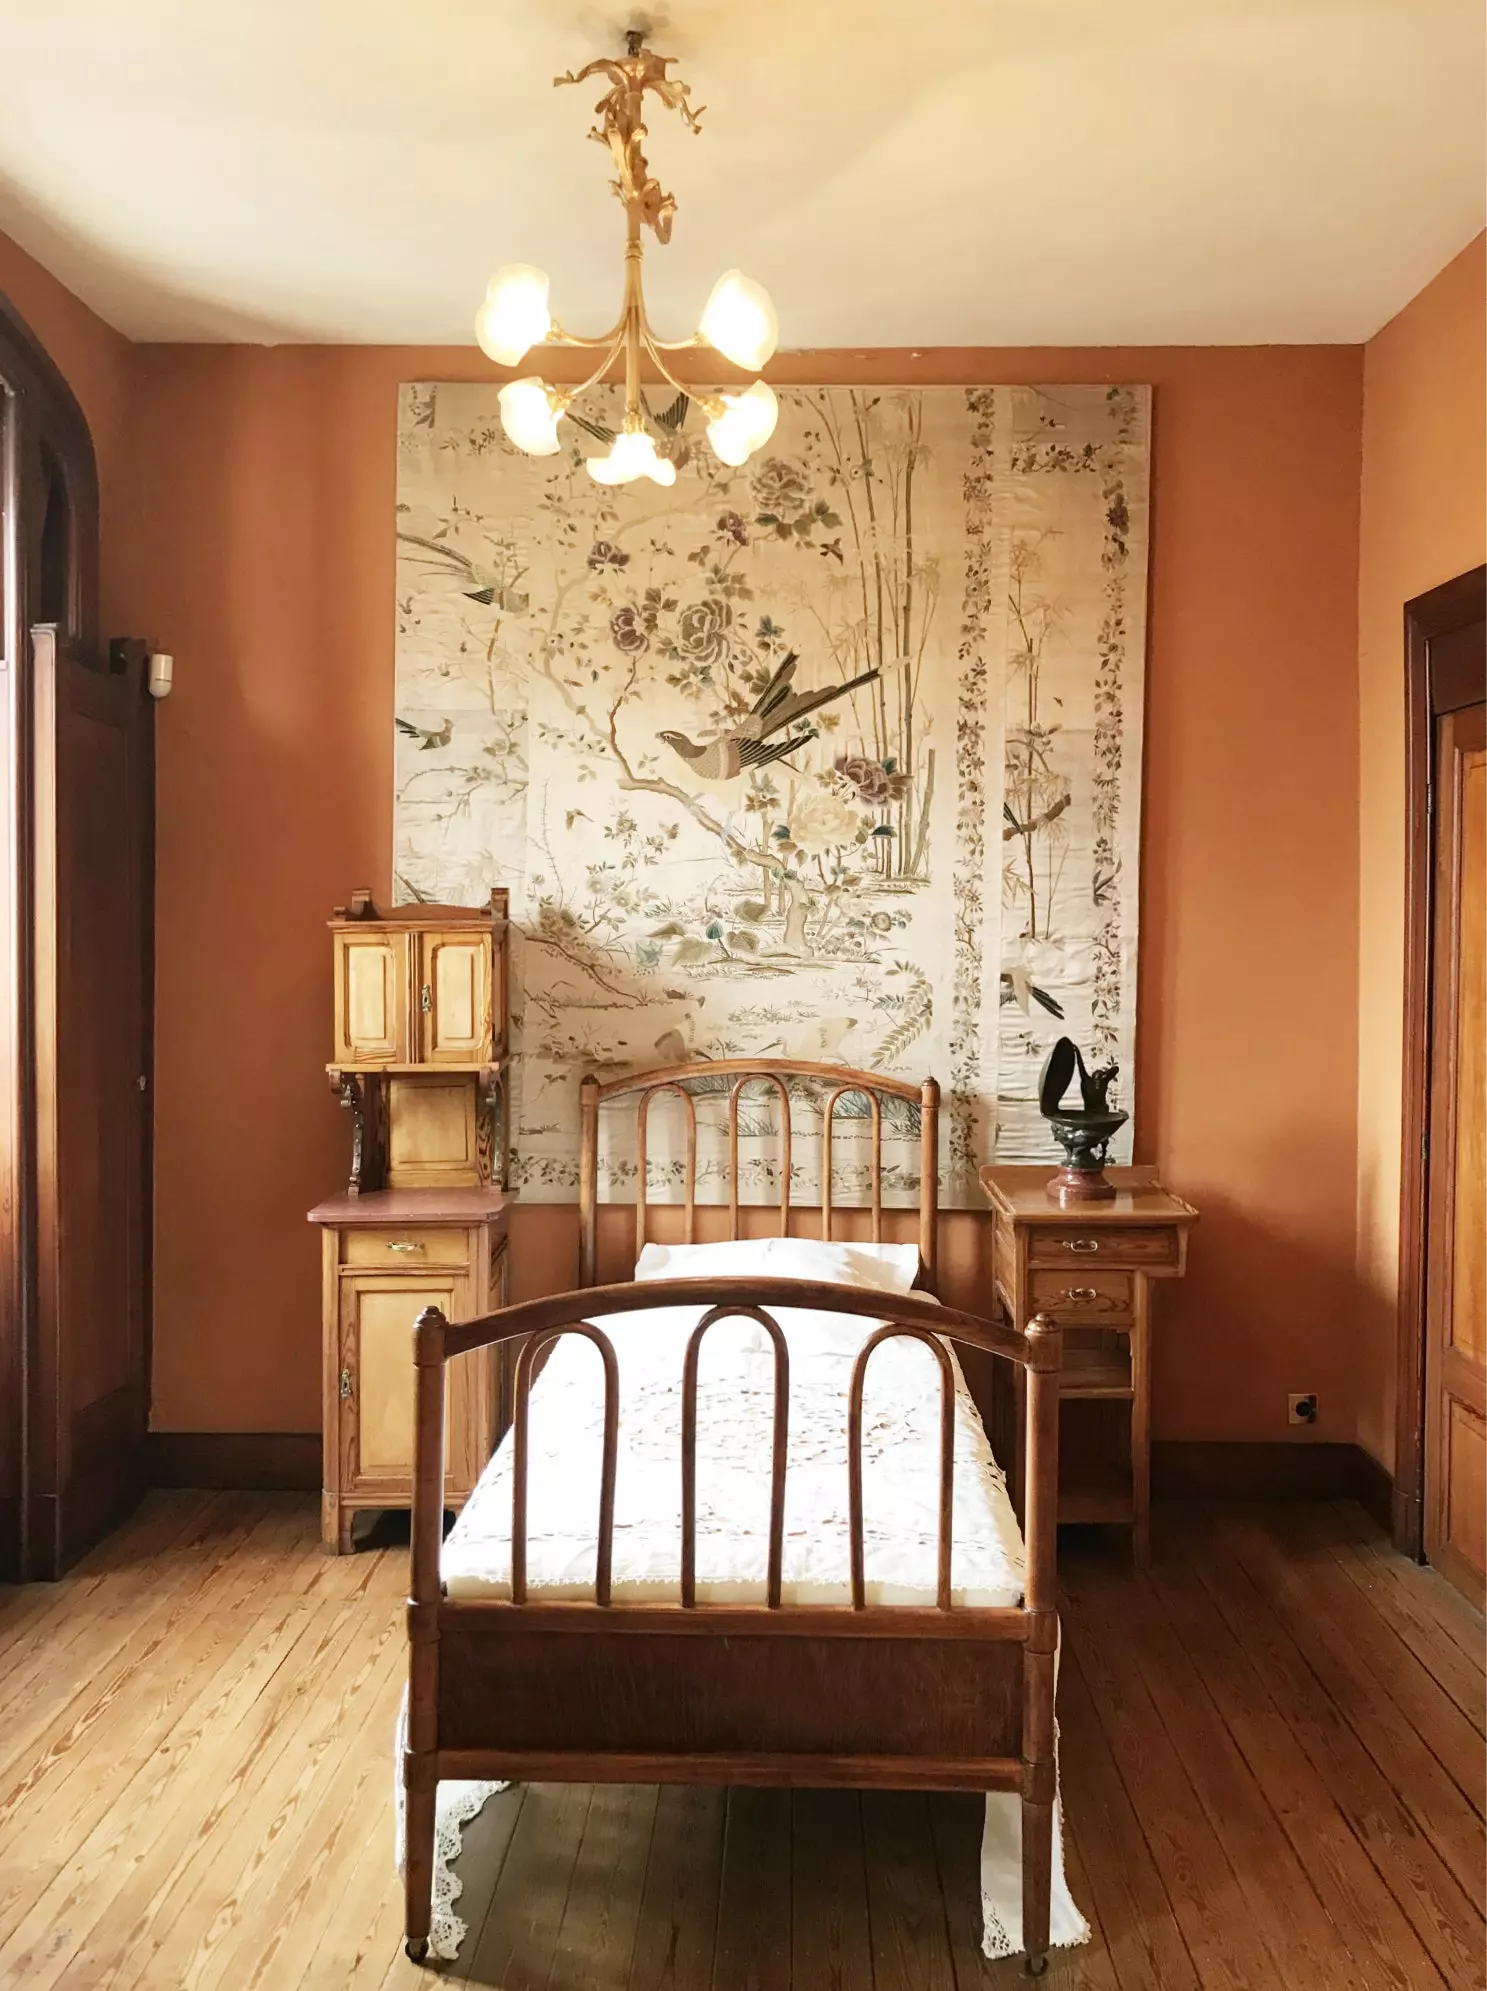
point(76, 782)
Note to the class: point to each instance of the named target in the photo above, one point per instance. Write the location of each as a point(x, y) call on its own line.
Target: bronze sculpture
point(1083, 1135)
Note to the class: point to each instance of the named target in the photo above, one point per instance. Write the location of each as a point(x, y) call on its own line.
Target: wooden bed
point(874, 1697)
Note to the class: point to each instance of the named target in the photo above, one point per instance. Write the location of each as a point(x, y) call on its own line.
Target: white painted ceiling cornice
point(897, 172)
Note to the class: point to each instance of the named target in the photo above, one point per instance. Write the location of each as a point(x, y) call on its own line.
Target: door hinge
point(345, 1383)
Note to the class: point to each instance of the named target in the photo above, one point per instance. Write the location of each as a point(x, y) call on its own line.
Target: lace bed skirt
point(1001, 1865)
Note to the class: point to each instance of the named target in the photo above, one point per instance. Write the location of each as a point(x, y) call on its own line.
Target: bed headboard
point(834, 1080)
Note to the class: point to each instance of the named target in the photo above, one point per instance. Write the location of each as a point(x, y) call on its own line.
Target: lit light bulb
point(746, 424)
point(739, 321)
point(514, 316)
point(632, 455)
point(530, 414)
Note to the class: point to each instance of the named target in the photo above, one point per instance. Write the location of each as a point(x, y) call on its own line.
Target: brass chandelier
point(739, 320)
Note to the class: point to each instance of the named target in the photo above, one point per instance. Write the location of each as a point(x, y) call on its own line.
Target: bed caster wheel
point(416, 1949)
point(1036, 1965)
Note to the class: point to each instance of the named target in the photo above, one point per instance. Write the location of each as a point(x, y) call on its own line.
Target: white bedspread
point(900, 1451)
point(735, 1412)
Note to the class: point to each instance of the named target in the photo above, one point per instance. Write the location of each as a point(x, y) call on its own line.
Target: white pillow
point(885, 1268)
point(730, 1258)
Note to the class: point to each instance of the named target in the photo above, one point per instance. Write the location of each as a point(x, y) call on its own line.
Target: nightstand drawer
point(405, 1249)
point(1081, 1296)
point(1104, 1244)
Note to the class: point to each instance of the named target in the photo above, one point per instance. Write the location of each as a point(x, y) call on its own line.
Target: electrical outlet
point(1302, 1409)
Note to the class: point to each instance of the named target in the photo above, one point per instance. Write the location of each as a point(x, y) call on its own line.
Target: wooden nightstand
point(1091, 1269)
point(387, 1255)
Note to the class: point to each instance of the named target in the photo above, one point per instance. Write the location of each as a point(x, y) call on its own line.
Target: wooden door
point(454, 997)
point(92, 838)
point(376, 1384)
point(1456, 1221)
point(371, 998)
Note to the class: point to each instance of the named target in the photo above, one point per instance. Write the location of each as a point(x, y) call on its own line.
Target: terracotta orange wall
point(261, 547)
point(1423, 519)
point(249, 528)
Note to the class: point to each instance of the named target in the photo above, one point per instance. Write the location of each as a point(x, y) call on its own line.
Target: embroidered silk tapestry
point(836, 756)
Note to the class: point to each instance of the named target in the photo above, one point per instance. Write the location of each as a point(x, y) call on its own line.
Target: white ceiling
point(898, 172)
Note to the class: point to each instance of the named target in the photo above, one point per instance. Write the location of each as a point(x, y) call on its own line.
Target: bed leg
point(421, 1789)
point(1037, 1881)
point(1040, 1654)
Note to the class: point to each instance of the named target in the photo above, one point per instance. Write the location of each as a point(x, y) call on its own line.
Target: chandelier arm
point(709, 402)
point(556, 336)
point(611, 351)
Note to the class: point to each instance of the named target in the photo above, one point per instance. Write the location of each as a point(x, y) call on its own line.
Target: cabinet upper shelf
point(422, 988)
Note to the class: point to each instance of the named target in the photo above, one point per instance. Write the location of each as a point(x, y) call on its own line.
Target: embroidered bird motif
point(427, 736)
point(486, 586)
point(750, 744)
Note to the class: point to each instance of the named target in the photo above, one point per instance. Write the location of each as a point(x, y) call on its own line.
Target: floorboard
point(1271, 1748)
point(1282, 1901)
point(1447, 1920)
point(678, 1929)
point(752, 1948)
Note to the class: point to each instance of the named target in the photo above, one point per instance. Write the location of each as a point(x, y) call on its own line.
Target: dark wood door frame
point(1435, 682)
point(49, 561)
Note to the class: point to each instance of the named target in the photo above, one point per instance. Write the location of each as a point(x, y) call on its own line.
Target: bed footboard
point(887, 1696)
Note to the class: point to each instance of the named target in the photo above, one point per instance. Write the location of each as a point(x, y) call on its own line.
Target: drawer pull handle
point(345, 1383)
point(1082, 1295)
point(1081, 1244)
point(405, 1246)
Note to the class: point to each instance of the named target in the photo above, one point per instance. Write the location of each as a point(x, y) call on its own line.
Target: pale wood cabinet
point(425, 985)
point(419, 1039)
point(386, 1256)
point(1090, 1269)
point(419, 1042)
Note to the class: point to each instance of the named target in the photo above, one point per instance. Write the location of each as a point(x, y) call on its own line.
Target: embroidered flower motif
point(731, 526)
point(778, 486)
point(702, 630)
point(823, 822)
point(873, 781)
point(604, 553)
point(627, 633)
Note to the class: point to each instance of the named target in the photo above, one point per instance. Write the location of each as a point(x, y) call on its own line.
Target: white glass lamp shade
point(529, 417)
point(632, 455)
point(740, 322)
point(746, 424)
point(514, 316)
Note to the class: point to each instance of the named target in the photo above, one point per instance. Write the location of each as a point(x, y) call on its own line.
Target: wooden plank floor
point(1272, 1762)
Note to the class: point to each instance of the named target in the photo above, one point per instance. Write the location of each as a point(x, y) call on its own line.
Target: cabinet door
point(376, 1381)
point(454, 998)
point(371, 998)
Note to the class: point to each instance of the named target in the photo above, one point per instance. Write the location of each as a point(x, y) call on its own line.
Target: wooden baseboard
point(255, 1461)
point(1181, 1469)
point(1374, 1490)
point(1189, 1469)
